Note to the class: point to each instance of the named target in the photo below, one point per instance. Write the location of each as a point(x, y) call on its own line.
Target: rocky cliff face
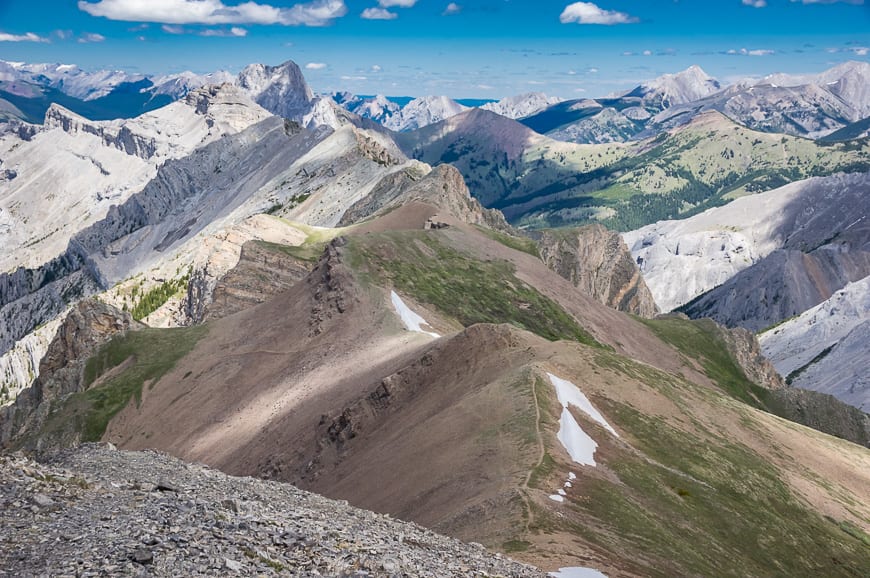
point(282, 90)
point(61, 372)
point(263, 271)
point(783, 284)
point(746, 351)
point(598, 263)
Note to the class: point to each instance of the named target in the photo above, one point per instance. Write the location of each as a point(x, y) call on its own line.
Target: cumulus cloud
point(28, 37)
point(747, 52)
point(589, 13)
point(315, 66)
point(234, 32)
point(378, 14)
point(452, 8)
point(91, 37)
point(314, 13)
point(755, 3)
point(376, 68)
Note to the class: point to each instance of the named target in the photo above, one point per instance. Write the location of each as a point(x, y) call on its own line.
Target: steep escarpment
point(62, 370)
point(168, 211)
point(263, 271)
point(597, 261)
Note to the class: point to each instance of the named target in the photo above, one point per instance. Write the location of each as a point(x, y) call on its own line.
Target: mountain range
point(418, 309)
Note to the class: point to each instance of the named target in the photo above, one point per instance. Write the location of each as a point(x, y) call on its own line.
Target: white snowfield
point(411, 320)
point(577, 442)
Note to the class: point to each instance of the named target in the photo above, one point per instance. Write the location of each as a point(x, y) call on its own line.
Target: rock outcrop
point(61, 372)
point(598, 263)
point(263, 271)
point(443, 187)
point(746, 351)
point(164, 517)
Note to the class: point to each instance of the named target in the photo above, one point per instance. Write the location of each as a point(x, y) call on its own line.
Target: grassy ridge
point(469, 290)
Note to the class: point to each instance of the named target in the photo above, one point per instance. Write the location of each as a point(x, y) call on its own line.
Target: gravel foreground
point(98, 511)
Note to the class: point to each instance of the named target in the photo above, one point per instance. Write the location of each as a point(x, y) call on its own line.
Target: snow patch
point(577, 572)
point(556, 498)
point(411, 320)
point(578, 444)
point(570, 394)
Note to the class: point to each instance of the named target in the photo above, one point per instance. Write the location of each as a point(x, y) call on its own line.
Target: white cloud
point(452, 8)
point(376, 68)
point(647, 52)
point(398, 3)
point(378, 14)
point(314, 13)
point(354, 78)
point(28, 37)
point(589, 13)
point(170, 29)
point(755, 3)
point(593, 70)
point(315, 66)
point(234, 32)
point(91, 37)
point(485, 87)
point(746, 52)
point(860, 50)
point(578, 90)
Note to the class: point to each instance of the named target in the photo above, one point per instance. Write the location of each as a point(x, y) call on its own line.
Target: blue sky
point(466, 48)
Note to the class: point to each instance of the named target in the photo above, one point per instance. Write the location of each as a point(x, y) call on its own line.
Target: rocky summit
point(98, 511)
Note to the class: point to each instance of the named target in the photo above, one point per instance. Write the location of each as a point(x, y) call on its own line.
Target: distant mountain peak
point(282, 89)
point(679, 88)
point(522, 105)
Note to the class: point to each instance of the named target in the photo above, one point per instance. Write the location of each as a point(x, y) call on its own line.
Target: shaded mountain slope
point(680, 260)
point(807, 349)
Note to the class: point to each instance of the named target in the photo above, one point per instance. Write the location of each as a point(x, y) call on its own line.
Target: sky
point(463, 49)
